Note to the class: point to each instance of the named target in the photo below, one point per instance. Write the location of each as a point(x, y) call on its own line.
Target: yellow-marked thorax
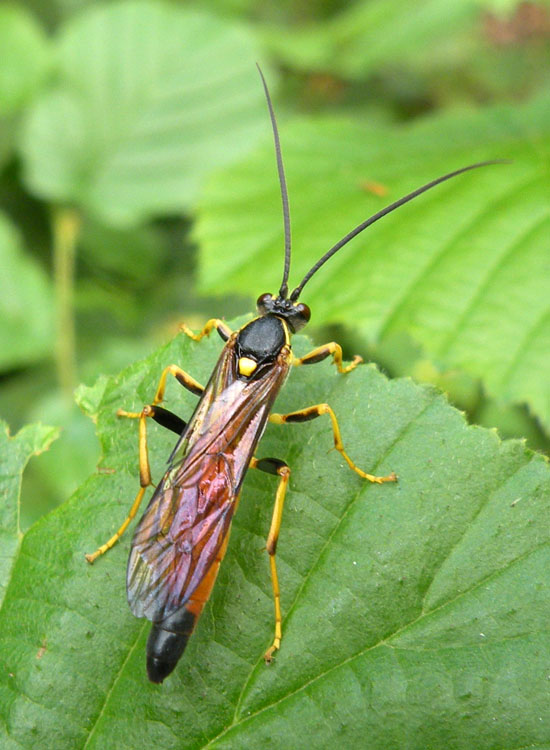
point(246, 366)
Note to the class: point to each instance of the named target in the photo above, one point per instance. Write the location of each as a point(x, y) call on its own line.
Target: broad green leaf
point(365, 36)
point(415, 615)
point(151, 97)
point(15, 453)
point(465, 269)
point(53, 477)
point(26, 303)
point(24, 60)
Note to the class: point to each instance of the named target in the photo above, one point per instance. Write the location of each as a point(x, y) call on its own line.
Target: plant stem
point(66, 229)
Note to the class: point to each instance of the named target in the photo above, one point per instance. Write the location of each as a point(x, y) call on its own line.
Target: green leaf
point(366, 36)
point(26, 303)
point(151, 98)
point(415, 614)
point(53, 477)
point(89, 397)
point(24, 60)
point(463, 269)
point(15, 453)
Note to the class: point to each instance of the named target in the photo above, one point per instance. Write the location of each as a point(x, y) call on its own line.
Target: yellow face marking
point(246, 366)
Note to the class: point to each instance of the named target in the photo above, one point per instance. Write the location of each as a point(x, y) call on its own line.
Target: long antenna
point(283, 291)
point(383, 212)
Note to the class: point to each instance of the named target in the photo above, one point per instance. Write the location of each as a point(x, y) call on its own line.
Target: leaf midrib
point(387, 642)
point(114, 683)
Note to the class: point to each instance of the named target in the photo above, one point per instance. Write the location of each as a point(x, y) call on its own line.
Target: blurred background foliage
point(138, 189)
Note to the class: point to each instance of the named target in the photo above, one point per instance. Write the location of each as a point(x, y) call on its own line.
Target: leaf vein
point(113, 685)
point(417, 278)
point(321, 552)
point(509, 251)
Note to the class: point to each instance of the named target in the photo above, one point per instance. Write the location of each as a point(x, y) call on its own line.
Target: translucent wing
point(179, 536)
point(189, 516)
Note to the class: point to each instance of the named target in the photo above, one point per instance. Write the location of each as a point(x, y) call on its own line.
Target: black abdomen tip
point(158, 670)
point(166, 643)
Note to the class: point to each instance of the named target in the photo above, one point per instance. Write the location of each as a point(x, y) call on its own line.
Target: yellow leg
point(221, 327)
point(276, 645)
point(312, 412)
point(144, 481)
point(114, 539)
point(321, 352)
point(181, 376)
point(274, 466)
point(169, 420)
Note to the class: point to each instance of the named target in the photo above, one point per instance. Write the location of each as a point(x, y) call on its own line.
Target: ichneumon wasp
point(182, 537)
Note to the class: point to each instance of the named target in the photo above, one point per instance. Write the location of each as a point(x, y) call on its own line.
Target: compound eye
point(299, 317)
point(303, 311)
point(263, 302)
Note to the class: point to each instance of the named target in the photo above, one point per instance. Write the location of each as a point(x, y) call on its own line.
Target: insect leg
point(312, 412)
point(221, 327)
point(182, 377)
point(282, 470)
point(321, 352)
point(163, 417)
point(166, 419)
point(144, 481)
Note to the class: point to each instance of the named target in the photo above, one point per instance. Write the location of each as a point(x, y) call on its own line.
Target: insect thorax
point(259, 343)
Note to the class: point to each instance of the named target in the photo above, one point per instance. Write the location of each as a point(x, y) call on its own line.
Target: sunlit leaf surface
point(15, 452)
point(412, 612)
point(151, 97)
point(24, 60)
point(26, 303)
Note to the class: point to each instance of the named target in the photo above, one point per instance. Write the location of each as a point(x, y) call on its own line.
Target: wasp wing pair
point(188, 518)
point(181, 539)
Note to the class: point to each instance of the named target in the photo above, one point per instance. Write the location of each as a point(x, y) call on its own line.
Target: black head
point(296, 314)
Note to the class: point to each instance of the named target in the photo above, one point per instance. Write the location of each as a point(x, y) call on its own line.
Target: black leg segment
point(167, 419)
point(270, 465)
